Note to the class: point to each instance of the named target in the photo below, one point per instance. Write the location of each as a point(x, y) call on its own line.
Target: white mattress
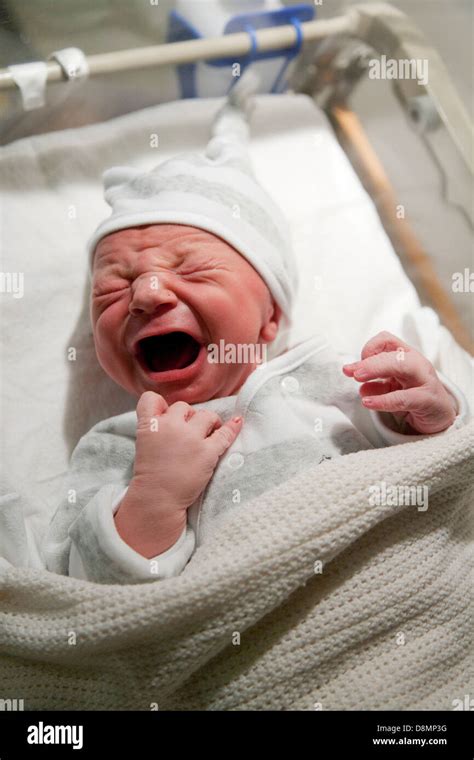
point(352, 284)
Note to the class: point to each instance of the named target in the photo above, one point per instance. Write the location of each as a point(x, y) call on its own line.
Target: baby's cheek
point(107, 327)
point(235, 315)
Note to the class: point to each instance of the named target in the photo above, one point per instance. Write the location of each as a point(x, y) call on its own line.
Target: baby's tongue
point(173, 351)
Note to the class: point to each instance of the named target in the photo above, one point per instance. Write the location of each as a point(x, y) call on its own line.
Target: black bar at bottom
point(371, 734)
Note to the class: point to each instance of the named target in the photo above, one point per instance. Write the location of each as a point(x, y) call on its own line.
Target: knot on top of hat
point(223, 151)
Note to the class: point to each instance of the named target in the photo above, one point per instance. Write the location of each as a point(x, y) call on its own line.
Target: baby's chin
point(209, 381)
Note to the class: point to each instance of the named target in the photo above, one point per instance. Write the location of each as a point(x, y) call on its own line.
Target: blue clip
point(292, 53)
point(299, 36)
point(253, 52)
point(180, 29)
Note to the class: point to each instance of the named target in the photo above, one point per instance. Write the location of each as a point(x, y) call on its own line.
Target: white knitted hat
point(215, 191)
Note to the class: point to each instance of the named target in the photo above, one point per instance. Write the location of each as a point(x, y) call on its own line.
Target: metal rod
point(228, 45)
point(404, 240)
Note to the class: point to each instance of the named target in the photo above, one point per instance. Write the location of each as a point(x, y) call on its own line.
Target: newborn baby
point(196, 256)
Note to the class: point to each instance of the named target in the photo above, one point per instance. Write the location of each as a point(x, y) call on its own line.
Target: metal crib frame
point(329, 75)
point(333, 59)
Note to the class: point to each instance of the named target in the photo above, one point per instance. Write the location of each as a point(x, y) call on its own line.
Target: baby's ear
point(269, 330)
point(115, 177)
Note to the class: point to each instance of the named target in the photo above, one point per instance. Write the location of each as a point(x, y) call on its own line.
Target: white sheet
point(352, 284)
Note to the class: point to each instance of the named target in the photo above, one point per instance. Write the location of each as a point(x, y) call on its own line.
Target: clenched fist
point(177, 450)
point(178, 447)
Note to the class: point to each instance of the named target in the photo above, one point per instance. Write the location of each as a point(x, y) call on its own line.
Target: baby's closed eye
point(107, 295)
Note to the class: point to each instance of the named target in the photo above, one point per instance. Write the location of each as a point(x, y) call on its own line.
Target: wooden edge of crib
point(352, 136)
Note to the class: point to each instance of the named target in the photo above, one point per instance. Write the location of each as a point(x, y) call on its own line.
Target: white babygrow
point(299, 409)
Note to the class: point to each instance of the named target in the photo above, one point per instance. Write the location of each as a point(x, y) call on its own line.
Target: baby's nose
point(148, 293)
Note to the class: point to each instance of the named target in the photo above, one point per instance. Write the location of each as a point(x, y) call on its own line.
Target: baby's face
point(160, 295)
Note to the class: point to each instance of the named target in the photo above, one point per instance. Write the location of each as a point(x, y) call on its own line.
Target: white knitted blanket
point(310, 597)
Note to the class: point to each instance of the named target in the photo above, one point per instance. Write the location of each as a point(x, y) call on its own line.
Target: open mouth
point(173, 351)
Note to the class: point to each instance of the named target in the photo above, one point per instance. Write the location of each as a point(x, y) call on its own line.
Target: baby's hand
point(396, 378)
point(177, 450)
point(178, 447)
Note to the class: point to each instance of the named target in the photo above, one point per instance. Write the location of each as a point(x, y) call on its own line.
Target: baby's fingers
point(383, 341)
point(406, 367)
point(378, 388)
point(403, 400)
point(225, 436)
point(205, 422)
point(150, 405)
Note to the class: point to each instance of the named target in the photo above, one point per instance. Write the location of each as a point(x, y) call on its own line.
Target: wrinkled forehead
point(173, 241)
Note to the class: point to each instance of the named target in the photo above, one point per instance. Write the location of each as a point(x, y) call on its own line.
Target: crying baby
point(196, 255)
